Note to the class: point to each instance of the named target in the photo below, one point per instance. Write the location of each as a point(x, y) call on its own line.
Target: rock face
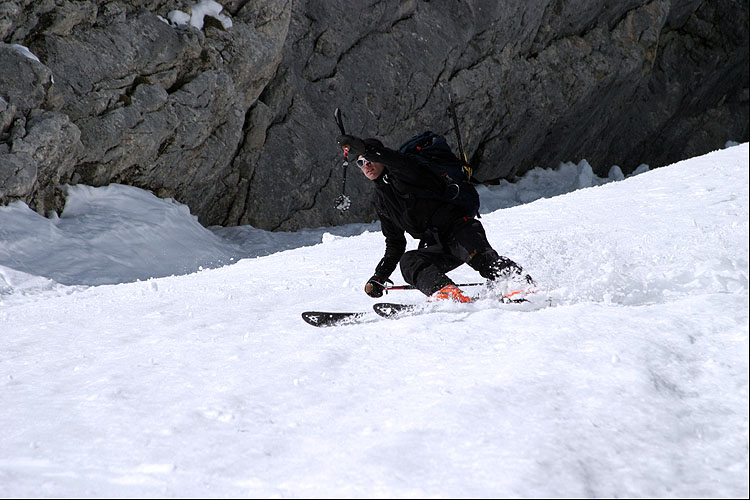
point(236, 119)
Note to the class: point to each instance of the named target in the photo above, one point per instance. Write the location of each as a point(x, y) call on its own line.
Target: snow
point(198, 13)
point(24, 51)
point(178, 17)
point(142, 355)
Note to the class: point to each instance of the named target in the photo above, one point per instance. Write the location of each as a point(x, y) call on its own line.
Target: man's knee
point(503, 267)
point(411, 262)
point(493, 266)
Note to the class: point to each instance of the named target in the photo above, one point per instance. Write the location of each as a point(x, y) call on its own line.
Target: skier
point(408, 200)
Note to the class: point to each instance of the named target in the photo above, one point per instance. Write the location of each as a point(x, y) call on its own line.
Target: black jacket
point(408, 199)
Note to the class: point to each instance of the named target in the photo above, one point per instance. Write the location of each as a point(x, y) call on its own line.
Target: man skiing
point(409, 199)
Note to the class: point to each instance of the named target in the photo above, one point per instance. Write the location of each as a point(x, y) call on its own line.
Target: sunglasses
point(361, 162)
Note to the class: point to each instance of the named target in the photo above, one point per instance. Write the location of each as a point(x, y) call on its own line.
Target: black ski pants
point(426, 267)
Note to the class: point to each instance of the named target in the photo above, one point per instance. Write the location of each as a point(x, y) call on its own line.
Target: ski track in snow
point(633, 384)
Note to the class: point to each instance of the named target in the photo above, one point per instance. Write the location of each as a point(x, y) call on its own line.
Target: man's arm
point(395, 246)
point(407, 168)
point(398, 163)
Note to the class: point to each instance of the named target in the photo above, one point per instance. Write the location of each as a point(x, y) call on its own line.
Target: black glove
point(356, 147)
point(375, 286)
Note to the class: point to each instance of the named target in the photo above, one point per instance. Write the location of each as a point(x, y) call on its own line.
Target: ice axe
point(342, 201)
point(454, 117)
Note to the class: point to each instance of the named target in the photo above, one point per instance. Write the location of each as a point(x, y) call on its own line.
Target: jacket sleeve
point(395, 246)
point(405, 167)
point(392, 159)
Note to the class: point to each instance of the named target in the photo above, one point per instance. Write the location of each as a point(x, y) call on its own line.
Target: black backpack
point(433, 150)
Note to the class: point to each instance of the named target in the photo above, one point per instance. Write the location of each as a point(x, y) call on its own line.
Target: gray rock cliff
point(236, 120)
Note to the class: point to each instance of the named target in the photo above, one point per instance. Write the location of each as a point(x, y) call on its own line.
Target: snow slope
point(634, 384)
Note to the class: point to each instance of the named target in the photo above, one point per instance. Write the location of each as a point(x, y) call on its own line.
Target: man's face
point(371, 169)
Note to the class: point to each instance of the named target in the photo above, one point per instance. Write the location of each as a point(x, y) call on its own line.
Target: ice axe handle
point(342, 202)
point(339, 120)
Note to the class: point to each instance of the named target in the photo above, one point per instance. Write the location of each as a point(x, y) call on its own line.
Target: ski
point(393, 310)
point(322, 319)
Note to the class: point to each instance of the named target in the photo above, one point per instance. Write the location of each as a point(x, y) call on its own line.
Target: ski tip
point(313, 318)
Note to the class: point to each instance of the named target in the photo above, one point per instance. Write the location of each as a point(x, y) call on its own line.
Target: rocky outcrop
point(234, 116)
point(147, 103)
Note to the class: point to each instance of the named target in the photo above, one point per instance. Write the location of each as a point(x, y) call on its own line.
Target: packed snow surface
point(142, 355)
